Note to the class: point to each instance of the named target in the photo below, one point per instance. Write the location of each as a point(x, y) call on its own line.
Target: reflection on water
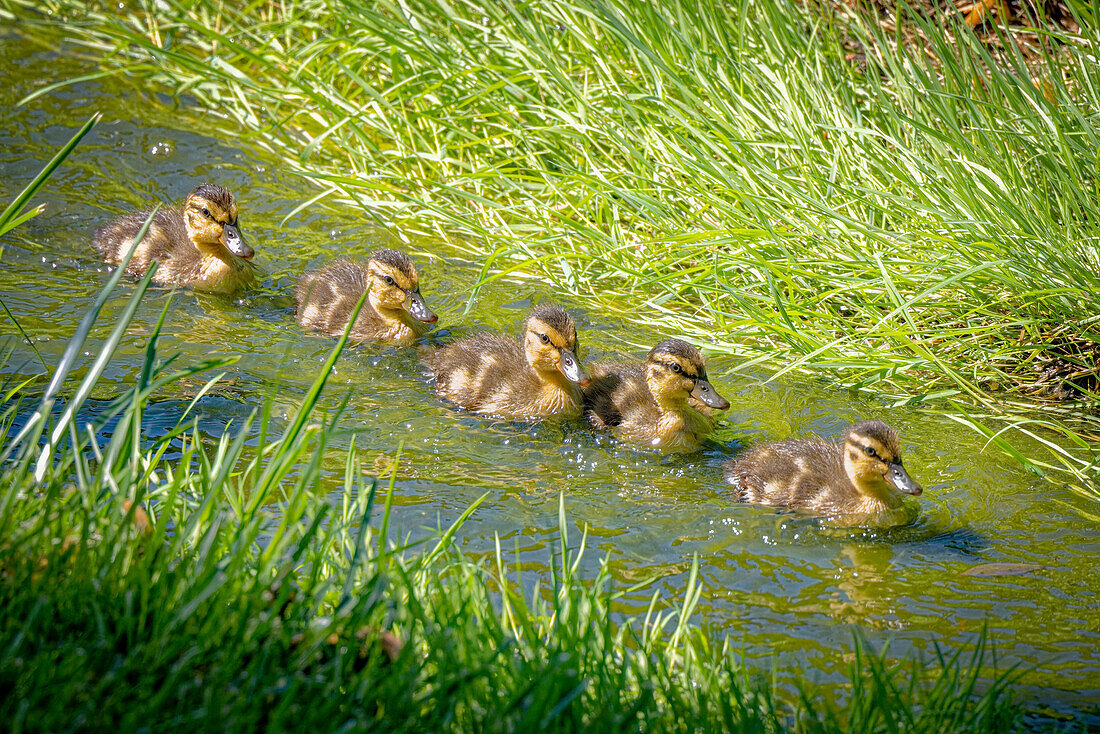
point(783, 586)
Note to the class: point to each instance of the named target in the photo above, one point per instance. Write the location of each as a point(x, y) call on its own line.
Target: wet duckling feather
point(200, 246)
point(653, 402)
point(863, 476)
point(394, 312)
point(495, 375)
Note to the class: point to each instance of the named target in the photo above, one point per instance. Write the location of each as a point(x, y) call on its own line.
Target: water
point(784, 588)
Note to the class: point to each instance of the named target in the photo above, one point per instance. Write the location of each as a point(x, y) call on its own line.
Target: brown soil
point(1067, 370)
point(988, 19)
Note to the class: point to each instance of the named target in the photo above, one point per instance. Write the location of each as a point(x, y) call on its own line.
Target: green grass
point(922, 227)
point(224, 589)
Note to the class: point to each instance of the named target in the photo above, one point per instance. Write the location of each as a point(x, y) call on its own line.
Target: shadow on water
point(784, 587)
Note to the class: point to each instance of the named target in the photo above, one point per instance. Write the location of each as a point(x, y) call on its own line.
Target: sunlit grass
point(922, 227)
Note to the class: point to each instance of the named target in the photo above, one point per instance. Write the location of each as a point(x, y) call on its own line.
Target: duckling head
point(675, 370)
point(210, 215)
point(550, 343)
point(872, 460)
point(395, 285)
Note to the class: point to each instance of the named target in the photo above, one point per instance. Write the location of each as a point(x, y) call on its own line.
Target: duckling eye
point(206, 213)
point(677, 369)
point(389, 280)
point(544, 339)
point(870, 451)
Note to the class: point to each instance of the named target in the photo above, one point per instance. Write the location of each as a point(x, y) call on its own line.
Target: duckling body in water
point(493, 374)
point(394, 312)
point(863, 478)
point(200, 247)
point(651, 402)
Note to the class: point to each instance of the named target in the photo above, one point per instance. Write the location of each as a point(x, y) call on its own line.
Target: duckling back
point(618, 394)
point(326, 298)
point(166, 242)
point(800, 474)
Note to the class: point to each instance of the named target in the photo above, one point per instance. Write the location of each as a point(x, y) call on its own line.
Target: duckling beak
point(705, 393)
point(571, 368)
point(232, 239)
point(414, 304)
point(897, 476)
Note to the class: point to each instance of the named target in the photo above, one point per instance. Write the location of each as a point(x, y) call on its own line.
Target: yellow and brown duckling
point(651, 403)
point(394, 312)
point(862, 477)
point(200, 247)
point(497, 375)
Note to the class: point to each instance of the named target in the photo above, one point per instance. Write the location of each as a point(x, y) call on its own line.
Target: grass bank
point(140, 593)
point(920, 223)
point(187, 581)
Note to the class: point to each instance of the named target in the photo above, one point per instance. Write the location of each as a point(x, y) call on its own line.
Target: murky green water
point(782, 587)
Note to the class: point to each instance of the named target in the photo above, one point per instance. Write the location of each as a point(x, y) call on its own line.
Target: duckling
point(654, 403)
point(394, 312)
point(200, 247)
point(495, 375)
point(862, 477)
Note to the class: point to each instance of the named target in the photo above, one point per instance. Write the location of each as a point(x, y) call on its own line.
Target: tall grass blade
point(8, 217)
